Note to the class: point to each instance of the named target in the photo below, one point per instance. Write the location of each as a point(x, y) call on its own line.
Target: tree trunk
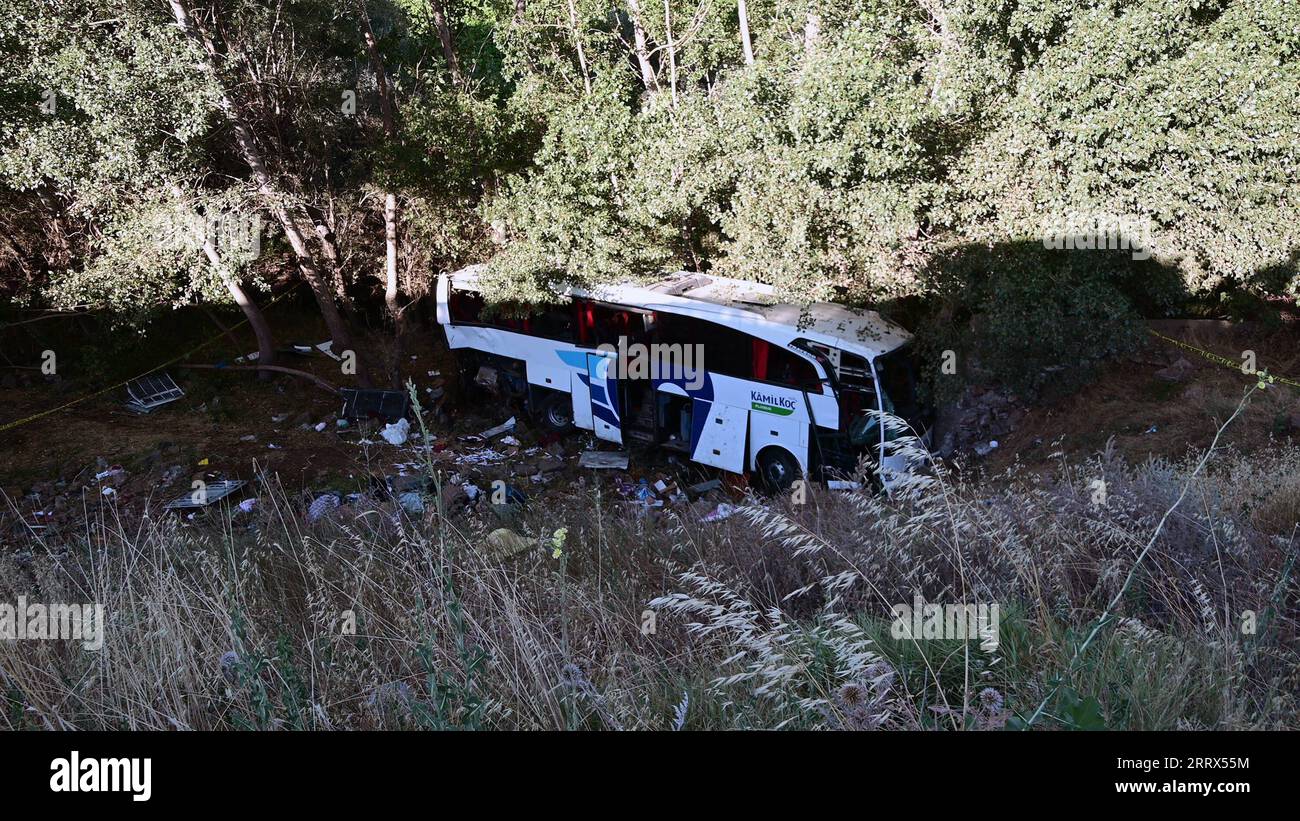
point(577, 41)
point(273, 196)
point(742, 11)
point(812, 31)
point(639, 45)
point(225, 329)
point(444, 35)
point(390, 260)
point(390, 198)
point(256, 319)
point(333, 260)
point(672, 52)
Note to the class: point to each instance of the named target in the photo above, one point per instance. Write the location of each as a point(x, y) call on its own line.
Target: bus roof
point(749, 306)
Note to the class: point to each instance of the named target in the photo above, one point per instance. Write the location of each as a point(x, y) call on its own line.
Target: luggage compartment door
point(718, 434)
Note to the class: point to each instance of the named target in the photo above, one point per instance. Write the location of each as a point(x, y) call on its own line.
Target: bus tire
point(777, 469)
point(555, 412)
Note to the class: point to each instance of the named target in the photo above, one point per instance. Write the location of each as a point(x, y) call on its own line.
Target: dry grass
point(777, 617)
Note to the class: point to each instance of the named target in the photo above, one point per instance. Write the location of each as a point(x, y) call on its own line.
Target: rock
point(401, 484)
point(549, 464)
point(504, 542)
point(322, 506)
point(1177, 372)
point(411, 502)
point(454, 498)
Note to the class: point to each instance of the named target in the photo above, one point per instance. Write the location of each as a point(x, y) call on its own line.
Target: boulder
point(1179, 371)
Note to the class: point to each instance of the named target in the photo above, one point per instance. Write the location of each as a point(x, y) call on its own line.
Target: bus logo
point(770, 403)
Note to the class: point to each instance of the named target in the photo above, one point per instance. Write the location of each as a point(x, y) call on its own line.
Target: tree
point(108, 129)
point(273, 196)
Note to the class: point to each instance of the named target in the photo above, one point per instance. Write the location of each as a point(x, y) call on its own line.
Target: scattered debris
point(604, 459)
point(150, 392)
point(112, 473)
point(320, 426)
point(724, 510)
point(986, 449)
point(247, 505)
point(643, 494)
point(694, 492)
point(665, 487)
point(486, 378)
point(397, 433)
point(369, 403)
point(211, 492)
point(327, 348)
point(504, 427)
point(980, 415)
point(841, 484)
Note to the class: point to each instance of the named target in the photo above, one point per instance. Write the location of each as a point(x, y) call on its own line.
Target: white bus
point(748, 383)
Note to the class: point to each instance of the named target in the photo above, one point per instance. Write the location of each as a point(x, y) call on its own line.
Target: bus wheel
point(777, 469)
point(556, 412)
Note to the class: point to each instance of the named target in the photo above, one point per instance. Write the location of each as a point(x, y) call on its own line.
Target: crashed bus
point(716, 369)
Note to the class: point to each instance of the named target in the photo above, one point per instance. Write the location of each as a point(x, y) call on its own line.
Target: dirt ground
point(98, 456)
point(1143, 415)
point(233, 425)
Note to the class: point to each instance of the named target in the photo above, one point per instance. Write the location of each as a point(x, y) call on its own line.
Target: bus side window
point(610, 324)
point(465, 306)
point(788, 368)
point(555, 321)
point(721, 349)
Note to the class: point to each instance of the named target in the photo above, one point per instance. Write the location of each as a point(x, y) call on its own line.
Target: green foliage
point(1037, 321)
point(867, 139)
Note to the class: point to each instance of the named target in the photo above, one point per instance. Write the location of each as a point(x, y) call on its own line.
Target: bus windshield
point(897, 376)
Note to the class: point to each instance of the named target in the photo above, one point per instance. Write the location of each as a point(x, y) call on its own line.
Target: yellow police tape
point(1264, 378)
point(20, 422)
